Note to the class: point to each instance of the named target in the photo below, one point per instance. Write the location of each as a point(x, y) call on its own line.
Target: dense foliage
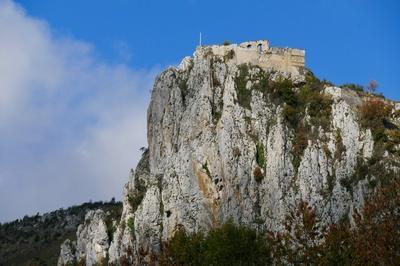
point(260, 155)
point(372, 241)
point(374, 113)
point(226, 245)
point(243, 93)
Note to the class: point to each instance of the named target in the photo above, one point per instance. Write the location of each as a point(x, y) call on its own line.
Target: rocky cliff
point(230, 141)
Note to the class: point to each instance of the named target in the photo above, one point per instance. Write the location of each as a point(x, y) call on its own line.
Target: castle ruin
point(286, 60)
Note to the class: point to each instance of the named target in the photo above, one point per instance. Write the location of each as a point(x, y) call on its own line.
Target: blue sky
point(75, 78)
point(345, 40)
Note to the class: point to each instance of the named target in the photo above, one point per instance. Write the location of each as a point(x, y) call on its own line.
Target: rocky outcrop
point(91, 247)
point(233, 142)
point(92, 238)
point(35, 240)
point(67, 253)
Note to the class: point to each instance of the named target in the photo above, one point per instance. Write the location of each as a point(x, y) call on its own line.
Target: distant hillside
point(36, 240)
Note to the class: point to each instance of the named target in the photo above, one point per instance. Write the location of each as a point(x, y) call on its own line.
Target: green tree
point(226, 245)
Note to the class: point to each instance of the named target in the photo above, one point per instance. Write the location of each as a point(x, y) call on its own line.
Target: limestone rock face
point(92, 238)
point(199, 169)
point(91, 247)
point(213, 157)
point(67, 253)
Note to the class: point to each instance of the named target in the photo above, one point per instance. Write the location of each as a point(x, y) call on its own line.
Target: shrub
point(300, 143)
point(205, 167)
point(377, 236)
point(113, 215)
point(215, 81)
point(135, 201)
point(81, 262)
point(373, 114)
point(291, 115)
point(183, 86)
point(362, 170)
point(243, 94)
point(226, 43)
point(320, 109)
point(260, 156)
point(236, 152)
point(282, 92)
point(338, 247)
point(236, 245)
point(396, 114)
point(299, 244)
point(136, 196)
point(313, 82)
point(229, 55)
point(354, 87)
point(263, 81)
point(394, 136)
point(347, 183)
point(183, 249)
point(340, 148)
point(226, 245)
point(208, 52)
point(258, 174)
point(130, 223)
point(374, 109)
point(372, 241)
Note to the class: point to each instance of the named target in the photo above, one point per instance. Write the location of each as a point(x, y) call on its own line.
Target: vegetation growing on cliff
point(260, 156)
point(355, 87)
point(374, 115)
point(258, 174)
point(243, 94)
point(297, 100)
point(305, 107)
point(131, 224)
point(228, 245)
point(136, 196)
point(229, 55)
point(205, 167)
point(36, 240)
point(373, 241)
point(307, 110)
point(183, 86)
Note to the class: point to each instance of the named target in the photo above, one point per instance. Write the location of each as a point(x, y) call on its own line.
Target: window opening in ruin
point(260, 48)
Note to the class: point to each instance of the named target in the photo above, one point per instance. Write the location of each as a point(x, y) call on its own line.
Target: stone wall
point(287, 60)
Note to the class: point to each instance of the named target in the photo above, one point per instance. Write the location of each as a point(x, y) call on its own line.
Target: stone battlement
point(286, 60)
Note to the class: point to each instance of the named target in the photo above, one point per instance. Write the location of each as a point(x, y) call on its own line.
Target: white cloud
point(123, 51)
point(70, 124)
